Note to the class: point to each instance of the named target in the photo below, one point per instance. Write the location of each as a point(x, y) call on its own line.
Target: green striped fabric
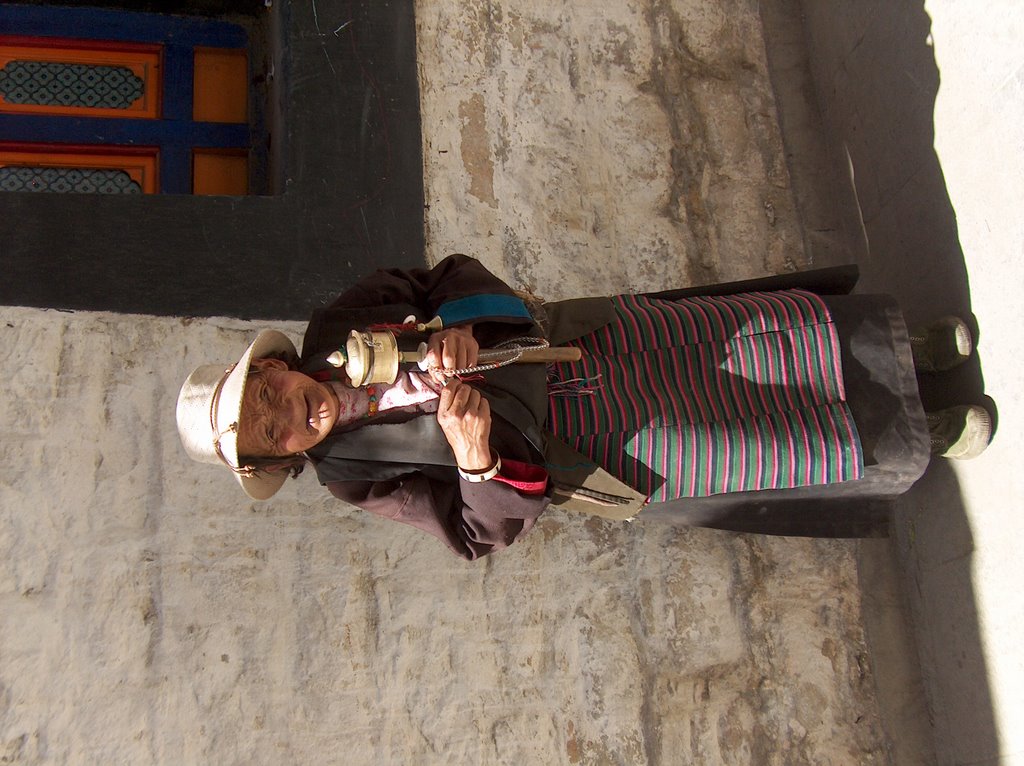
point(711, 394)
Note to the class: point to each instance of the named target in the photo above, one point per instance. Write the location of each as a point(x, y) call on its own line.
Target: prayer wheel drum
point(372, 357)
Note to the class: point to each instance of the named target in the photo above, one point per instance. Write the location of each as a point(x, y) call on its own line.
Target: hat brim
point(263, 484)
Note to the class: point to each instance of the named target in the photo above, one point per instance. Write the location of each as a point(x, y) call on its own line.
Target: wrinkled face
point(283, 411)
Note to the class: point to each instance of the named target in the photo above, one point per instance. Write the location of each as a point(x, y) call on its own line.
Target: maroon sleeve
point(472, 519)
point(455, 277)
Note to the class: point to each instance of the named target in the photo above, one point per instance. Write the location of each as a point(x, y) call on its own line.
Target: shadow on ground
point(856, 85)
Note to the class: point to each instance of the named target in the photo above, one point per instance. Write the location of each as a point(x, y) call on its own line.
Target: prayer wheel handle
point(551, 354)
point(373, 357)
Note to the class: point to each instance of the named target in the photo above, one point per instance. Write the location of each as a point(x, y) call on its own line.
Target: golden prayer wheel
point(373, 357)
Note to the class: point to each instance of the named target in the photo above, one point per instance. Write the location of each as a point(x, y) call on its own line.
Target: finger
point(433, 356)
point(463, 396)
point(454, 353)
point(447, 354)
point(434, 351)
point(456, 394)
point(436, 373)
point(447, 393)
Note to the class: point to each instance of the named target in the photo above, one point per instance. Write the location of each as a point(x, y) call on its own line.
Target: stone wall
point(603, 146)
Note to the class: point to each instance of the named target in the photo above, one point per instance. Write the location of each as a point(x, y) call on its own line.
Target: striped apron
point(707, 395)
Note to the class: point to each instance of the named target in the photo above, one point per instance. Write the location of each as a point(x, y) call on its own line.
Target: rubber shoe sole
point(960, 433)
point(942, 345)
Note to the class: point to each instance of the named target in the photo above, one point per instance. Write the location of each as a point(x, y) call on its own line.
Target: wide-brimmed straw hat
point(209, 405)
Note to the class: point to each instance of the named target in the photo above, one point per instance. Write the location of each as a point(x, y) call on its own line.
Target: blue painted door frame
point(175, 134)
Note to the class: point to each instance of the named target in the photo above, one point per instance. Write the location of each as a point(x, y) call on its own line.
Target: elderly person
point(728, 389)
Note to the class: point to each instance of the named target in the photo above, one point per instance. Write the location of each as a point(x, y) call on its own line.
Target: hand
point(465, 417)
point(451, 349)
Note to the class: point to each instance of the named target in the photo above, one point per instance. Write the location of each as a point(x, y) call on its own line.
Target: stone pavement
point(920, 107)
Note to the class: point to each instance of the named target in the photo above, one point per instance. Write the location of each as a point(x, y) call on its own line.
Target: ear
point(268, 364)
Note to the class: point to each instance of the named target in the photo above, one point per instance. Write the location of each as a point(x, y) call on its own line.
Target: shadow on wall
point(873, 74)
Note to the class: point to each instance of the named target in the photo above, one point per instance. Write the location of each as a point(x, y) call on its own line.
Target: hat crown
point(209, 405)
point(193, 413)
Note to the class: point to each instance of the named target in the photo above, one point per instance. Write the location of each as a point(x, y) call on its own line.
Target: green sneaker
point(942, 345)
point(960, 432)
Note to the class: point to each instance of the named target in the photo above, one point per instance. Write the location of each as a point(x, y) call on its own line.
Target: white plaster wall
point(601, 146)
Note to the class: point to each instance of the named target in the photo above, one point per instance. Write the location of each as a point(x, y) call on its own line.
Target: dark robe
point(401, 467)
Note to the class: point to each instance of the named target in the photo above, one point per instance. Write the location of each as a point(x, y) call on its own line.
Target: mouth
point(312, 417)
point(318, 413)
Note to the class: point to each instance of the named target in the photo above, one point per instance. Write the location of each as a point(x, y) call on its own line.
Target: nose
point(288, 409)
point(296, 407)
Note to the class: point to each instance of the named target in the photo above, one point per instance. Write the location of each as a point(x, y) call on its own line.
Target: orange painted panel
point(219, 172)
point(220, 85)
point(134, 61)
point(140, 164)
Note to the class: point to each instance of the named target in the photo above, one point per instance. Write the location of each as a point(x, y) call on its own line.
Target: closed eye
point(266, 399)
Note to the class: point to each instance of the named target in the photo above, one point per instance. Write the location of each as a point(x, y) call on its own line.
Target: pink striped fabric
point(712, 394)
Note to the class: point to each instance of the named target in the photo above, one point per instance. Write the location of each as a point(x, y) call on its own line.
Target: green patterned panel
point(51, 83)
point(67, 180)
